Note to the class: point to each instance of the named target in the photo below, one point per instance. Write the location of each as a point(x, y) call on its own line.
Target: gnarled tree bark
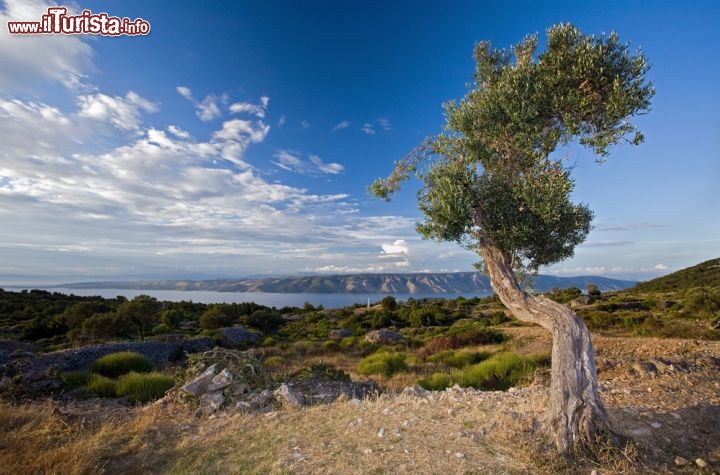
point(576, 413)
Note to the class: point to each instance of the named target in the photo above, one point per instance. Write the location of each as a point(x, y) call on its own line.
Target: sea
point(277, 300)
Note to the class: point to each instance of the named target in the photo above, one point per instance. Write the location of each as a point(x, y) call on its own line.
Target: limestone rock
point(199, 385)
point(288, 397)
point(340, 333)
point(383, 336)
point(211, 402)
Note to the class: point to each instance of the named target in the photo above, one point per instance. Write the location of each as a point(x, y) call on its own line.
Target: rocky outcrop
point(384, 336)
point(37, 374)
point(229, 380)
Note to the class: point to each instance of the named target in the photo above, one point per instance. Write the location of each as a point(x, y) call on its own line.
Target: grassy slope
point(705, 274)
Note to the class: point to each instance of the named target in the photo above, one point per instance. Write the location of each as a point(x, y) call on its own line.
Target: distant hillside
point(706, 274)
point(427, 283)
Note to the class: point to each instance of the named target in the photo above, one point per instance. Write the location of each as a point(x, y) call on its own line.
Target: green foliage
point(266, 321)
point(102, 386)
point(436, 382)
point(500, 372)
point(143, 311)
point(275, 361)
point(459, 359)
point(75, 379)
point(116, 364)
point(564, 295)
point(144, 387)
point(389, 303)
point(216, 316)
point(382, 363)
point(490, 177)
point(706, 274)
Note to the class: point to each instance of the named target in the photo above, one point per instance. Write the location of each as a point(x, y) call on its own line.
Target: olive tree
point(495, 181)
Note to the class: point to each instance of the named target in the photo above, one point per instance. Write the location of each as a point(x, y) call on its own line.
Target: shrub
point(459, 359)
point(102, 386)
point(436, 382)
point(331, 345)
point(114, 365)
point(463, 337)
point(500, 372)
point(382, 363)
point(144, 387)
point(75, 379)
point(274, 361)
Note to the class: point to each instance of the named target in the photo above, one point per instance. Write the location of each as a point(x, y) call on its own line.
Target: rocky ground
point(663, 394)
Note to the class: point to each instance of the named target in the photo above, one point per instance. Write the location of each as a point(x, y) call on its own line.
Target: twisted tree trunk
point(576, 413)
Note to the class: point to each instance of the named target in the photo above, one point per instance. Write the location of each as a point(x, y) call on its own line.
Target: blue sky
point(238, 138)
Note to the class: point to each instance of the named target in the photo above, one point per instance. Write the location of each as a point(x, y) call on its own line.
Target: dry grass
point(456, 431)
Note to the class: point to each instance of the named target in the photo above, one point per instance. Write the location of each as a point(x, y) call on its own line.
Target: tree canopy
point(493, 174)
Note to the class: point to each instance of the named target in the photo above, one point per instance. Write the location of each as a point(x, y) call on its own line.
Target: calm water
point(268, 299)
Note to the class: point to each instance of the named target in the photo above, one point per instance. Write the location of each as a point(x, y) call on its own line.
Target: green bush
point(382, 363)
point(500, 372)
point(144, 387)
point(114, 365)
point(331, 346)
point(274, 361)
point(459, 359)
point(75, 379)
point(102, 386)
point(436, 382)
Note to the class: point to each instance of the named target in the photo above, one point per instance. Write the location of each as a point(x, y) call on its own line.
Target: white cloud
point(208, 108)
point(257, 110)
point(660, 267)
point(29, 60)
point(121, 112)
point(341, 125)
point(305, 124)
point(281, 121)
point(291, 161)
point(178, 132)
point(368, 129)
point(185, 92)
point(384, 123)
point(398, 247)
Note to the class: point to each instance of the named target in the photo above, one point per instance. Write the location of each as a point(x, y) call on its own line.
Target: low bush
point(144, 387)
point(459, 359)
point(274, 361)
point(102, 386)
point(436, 382)
point(75, 379)
point(114, 365)
point(500, 372)
point(382, 363)
point(465, 337)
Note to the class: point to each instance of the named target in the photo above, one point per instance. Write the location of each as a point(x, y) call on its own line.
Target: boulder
point(384, 336)
point(340, 333)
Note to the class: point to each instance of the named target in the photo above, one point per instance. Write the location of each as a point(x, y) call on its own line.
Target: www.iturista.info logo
point(58, 22)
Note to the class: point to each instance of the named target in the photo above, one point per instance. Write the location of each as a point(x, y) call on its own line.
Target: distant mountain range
point(421, 283)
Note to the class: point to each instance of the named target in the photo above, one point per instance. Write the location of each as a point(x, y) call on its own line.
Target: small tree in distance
point(492, 182)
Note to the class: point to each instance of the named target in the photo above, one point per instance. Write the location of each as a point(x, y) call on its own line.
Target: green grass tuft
point(116, 364)
point(102, 386)
point(144, 387)
point(382, 363)
point(500, 372)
